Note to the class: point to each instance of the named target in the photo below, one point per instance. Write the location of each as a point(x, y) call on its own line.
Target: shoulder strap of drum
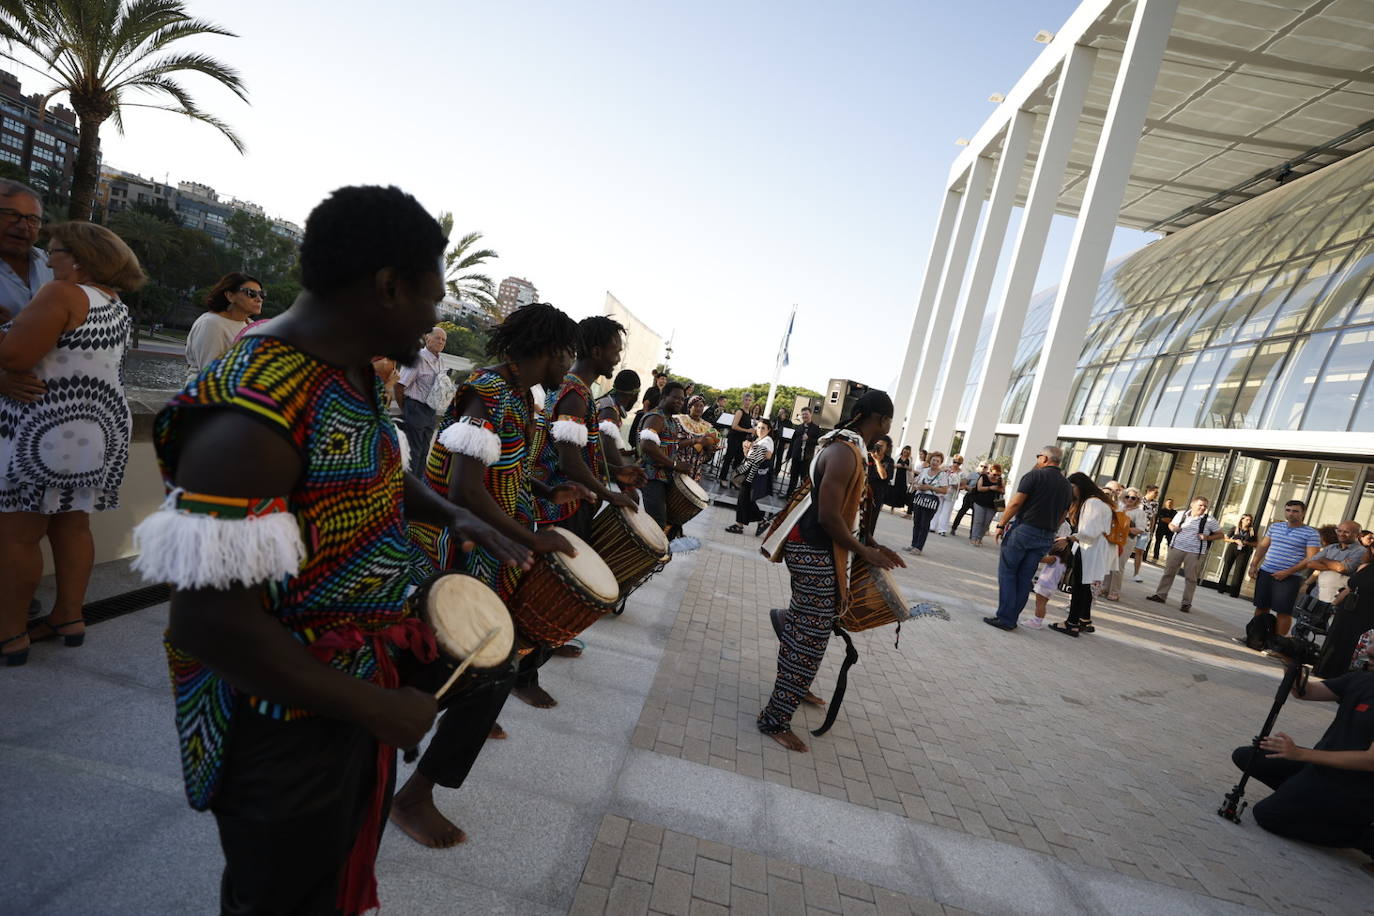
point(851, 657)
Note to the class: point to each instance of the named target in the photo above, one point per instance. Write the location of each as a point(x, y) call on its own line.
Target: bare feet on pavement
point(417, 817)
point(813, 699)
point(536, 696)
point(497, 733)
point(789, 740)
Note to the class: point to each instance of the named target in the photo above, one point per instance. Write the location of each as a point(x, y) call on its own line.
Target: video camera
point(1303, 644)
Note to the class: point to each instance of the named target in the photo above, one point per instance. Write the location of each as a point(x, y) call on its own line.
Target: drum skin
point(561, 596)
point(470, 597)
point(874, 599)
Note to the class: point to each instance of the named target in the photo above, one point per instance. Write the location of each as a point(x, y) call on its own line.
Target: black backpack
point(1259, 630)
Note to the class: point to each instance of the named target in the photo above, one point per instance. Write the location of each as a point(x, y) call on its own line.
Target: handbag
point(737, 479)
point(926, 499)
point(441, 392)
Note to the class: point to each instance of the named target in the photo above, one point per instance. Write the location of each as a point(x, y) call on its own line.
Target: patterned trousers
point(805, 631)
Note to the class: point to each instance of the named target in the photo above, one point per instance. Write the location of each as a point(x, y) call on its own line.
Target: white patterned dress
point(67, 451)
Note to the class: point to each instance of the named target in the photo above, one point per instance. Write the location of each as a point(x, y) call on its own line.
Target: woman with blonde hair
point(62, 455)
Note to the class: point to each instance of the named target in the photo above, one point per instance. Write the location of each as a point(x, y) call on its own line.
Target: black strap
point(851, 655)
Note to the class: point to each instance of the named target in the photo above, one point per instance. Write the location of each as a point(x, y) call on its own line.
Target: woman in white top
point(234, 303)
point(1090, 516)
point(757, 466)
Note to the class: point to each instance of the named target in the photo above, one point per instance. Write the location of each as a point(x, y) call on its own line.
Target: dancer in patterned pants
point(805, 631)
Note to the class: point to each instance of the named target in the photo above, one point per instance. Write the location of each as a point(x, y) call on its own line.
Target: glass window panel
point(1259, 382)
point(1352, 280)
point(1195, 306)
point(1208, 318)
point(1150, 335)
point(1363, 422)
point(1297, 304)
point(1294, 241)
point(1082, 388)
point(1350, 220)
point(1014, 404)
point(1136, 372)
point(1240, 306)
point(1221, 400)
point(1197, 388)
point(1268, 302)
point(1331, 491)
point(1127, 344)
point(1295, 382)
point(1341, 382)
point(1172, 392)
point(1149, 391)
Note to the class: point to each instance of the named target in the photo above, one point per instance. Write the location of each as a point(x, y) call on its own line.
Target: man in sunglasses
point(23, 269)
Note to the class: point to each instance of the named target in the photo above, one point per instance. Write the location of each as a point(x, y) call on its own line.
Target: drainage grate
point(127, 603)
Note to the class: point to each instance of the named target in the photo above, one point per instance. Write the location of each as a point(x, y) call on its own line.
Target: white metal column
point(1029, 247)
point(933, 348)
point(930, 284)
point(1106, 187)
point(969, 318)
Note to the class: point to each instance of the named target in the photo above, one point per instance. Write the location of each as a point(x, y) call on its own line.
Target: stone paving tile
point(728, 880)
point(1111, 750)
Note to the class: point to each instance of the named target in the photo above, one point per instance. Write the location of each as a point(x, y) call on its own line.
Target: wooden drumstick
point(467, 662)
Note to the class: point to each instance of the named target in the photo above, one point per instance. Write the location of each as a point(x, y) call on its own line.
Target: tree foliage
point(108, 57)
point(464, 341)
point(461, 275)
point(785, 396)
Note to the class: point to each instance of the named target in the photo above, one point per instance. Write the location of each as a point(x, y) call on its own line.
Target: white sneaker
point(1033, 623)
point(1138, 579)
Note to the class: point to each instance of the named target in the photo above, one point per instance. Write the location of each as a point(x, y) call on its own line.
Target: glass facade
point(1261, 317)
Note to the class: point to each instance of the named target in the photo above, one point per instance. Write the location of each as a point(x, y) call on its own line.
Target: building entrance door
point(1246, 482)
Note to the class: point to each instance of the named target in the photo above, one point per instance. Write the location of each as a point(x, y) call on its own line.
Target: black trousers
point(1162, 536)
point(1310, 803)
point(1236, 558)
point(964, 508)
point(734, 454)
point(1081, 598)
point(655, 500)
point(292, 799)
point(796, 474)
point(463, 729)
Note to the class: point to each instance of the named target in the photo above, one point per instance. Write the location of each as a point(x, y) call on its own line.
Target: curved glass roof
point(1260, 317)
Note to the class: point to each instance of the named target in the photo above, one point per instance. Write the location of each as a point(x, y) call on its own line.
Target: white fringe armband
point(612, 432)
point(568, 430)
point(472, 437)
point(648, 435)
point(404, 442)
point(210, 547)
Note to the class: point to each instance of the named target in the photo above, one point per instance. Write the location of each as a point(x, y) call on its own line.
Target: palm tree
point(104, 54)
point(459, 261)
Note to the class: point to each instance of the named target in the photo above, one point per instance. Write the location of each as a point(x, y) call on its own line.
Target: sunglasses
point(252, 293)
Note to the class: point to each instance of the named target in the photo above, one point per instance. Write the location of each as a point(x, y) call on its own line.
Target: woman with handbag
point(880, 471)
point(986, 492)
point(1090, 517)
point(754, 479)
point(928, 487)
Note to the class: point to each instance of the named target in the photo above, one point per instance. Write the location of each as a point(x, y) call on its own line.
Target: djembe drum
point(562, 595)
point(874, 599)
point(686, 499)
point(631, 544)
point(472, 630)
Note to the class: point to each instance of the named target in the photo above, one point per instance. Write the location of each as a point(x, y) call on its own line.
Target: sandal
point(1066, 628)
point(38, 633)
point(1086, 628)
point(15, 659)
point(734, 529)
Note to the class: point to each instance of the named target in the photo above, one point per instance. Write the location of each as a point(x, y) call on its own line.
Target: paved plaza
point(970, 770)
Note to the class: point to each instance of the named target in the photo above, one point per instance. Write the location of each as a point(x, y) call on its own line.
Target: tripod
point(1232, 806)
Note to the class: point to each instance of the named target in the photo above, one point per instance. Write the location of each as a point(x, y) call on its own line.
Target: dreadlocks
point(596, 331)
point(533, 330)
point(873, 402)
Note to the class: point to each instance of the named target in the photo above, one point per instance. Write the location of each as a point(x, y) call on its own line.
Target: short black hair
point(653, 396)
point(673, 386)
point(533, 330)
point(627, 380)
point(721, 397)
point(357, 231)
point(1296, 502)
point(872, 402)
point(597, 331)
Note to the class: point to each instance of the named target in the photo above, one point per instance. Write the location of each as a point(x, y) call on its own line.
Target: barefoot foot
point(497, 733)
point(423, 823)
point(536, 696)
point(789, 740)
point(813, 699)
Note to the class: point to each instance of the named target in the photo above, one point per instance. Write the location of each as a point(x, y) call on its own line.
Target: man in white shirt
point(412, 392)
point(1194, 530)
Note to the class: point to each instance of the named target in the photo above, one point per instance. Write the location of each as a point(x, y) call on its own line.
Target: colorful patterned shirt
point(668, 440)
point(547, 466)
point(347, 501)
point(509, 416)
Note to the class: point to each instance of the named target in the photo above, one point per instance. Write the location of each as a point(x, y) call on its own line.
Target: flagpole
point(779, 363)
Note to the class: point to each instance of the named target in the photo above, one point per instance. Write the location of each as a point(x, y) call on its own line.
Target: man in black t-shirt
point(801, 448)
point(1323, 794)
point(1038, 506)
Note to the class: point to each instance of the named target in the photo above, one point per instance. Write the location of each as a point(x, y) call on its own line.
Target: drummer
point(573, 449)
point(661, 441)
point(480, 461)
point(613, 407)
point(820, 546)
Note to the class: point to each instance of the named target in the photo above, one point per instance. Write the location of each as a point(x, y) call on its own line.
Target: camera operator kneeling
point(1323, 794)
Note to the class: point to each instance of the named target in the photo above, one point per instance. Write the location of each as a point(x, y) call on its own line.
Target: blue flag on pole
point(788, 336)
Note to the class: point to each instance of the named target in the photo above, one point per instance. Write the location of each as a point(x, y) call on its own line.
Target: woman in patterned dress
point(62, 455)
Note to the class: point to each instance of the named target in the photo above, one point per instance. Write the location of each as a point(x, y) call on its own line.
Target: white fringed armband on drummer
point(195, 540)
point(474, 437)
point(612, 432)
point(569, 429)
point(648, 435)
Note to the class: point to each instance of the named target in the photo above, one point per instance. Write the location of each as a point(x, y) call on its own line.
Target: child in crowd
point(1055, 563)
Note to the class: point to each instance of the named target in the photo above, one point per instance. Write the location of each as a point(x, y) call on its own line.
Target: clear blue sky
point(708, 163)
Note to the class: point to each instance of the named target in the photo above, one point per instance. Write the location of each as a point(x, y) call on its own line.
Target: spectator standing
point(740, 427)
point(1164, 517)
point(1130, 505)
point(234, 303)
point(1278, 562)
point(1336, 562)
point(1240, 543)
point(1149, 504)
point(1090, 519)
point(802, 449)
point(928, 490)
point(713, 413)
point(413, 387)
point(969, 484)
point(987, 490)
point(1029, 522)
point(757, 466)
point(782, 422)
point(940, 525)
point(897, 497)
point(72, 338)
point(1193, 532)
point(880, 467)
point(23, 266)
